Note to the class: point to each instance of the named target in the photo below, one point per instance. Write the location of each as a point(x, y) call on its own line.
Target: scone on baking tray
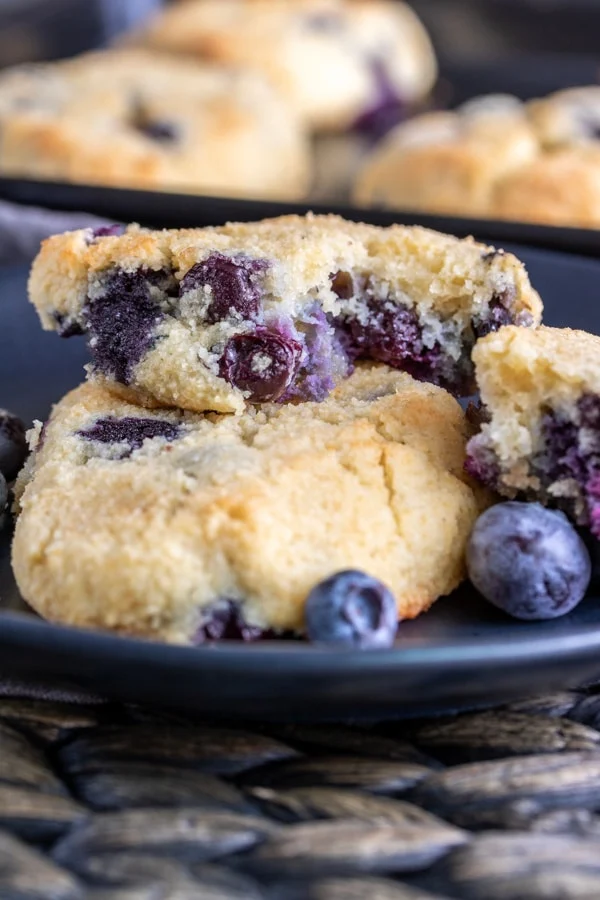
point(277, 310)
point(495, 157)
point(178, 526)
point(136, 118)
point(335, 61)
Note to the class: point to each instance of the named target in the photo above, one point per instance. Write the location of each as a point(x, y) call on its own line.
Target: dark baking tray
point(525, 75)
point(486, 28)
point(166, 210)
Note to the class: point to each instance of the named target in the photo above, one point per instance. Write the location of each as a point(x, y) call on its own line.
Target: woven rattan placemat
point(124, 803)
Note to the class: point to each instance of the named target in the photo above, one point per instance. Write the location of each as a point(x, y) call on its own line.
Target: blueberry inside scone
point(196, 527)
point(279, 310)
point(541, 396)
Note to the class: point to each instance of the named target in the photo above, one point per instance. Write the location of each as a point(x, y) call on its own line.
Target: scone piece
point(208, 319)
point(335, 61)
point(140, 119)
point(177, 526)
point(541, 392)
point(495, 157)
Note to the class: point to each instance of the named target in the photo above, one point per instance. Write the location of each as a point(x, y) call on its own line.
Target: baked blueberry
point(325, 360)
point(528, 561)
point(263, 363)
point(130, 430)
point(164, 132)
point(391, 333)
point(351, 609)
point(13, 445)
point(387, 107)
point(225, 622)
point(106, 231)
point(121, 322)
point(498, 314)
point(143, 121)
point(232, 284)
point(481, 462)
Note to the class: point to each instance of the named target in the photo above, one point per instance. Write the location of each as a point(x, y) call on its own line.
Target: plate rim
point(33, 633)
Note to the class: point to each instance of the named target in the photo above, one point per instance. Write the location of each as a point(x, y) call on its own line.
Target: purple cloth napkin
point(22, 228)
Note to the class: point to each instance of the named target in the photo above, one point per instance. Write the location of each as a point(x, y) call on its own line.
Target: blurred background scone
point(140, 119)
point(495, 157)
point(335, 61)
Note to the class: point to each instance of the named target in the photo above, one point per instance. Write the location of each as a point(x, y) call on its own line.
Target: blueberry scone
point(140, 119)
point(183, 526)
point(495, 157)
point(277, 310)
point(540, 391)
point(339, 63)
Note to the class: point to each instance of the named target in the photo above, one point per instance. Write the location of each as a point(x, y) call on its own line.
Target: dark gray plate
point(462, 653)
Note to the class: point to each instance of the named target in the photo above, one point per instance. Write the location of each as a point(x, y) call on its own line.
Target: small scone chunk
point(167, 524)
point(278, 310)
point(134, 118)
point(495, 157)
point(541, 392)
point(336, 62)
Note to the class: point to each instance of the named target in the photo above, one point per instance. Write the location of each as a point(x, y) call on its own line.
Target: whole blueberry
point(528, 560)
point(351, 609)
point(13, 445)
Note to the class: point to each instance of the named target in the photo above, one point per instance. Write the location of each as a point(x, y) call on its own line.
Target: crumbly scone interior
point(541, 398)
point(279, 310)
point(236, 506)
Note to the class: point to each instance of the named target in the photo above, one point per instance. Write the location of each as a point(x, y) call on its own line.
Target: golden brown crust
point(256, 508)
point(216, 132)
point(318, 53)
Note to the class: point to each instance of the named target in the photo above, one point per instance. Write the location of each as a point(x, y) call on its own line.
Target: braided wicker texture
point(124, 803)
